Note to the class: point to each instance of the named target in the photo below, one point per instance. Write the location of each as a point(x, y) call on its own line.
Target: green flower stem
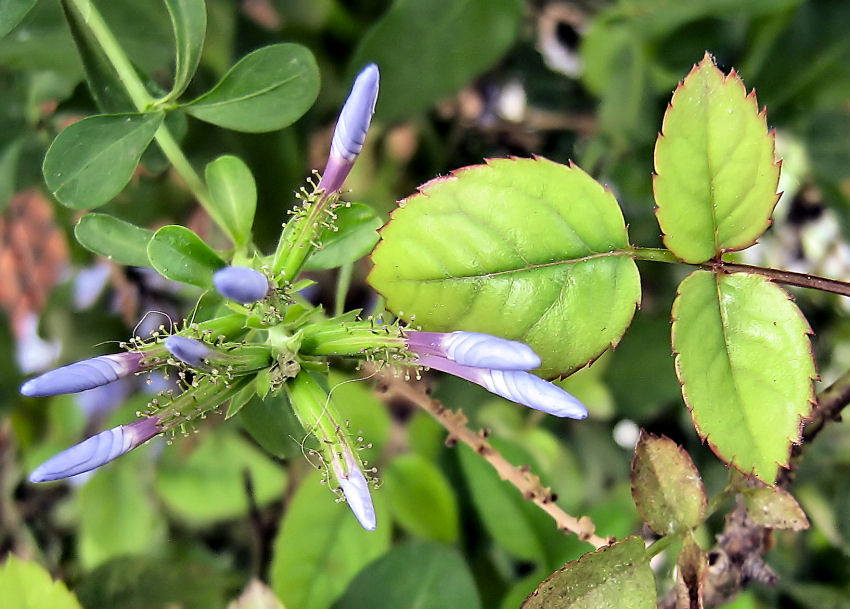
point(802, 280)
point(297, 239)
point(143, 100)
point(664, 543)
point(353, 339)
point(196, 401)
point(343, 283)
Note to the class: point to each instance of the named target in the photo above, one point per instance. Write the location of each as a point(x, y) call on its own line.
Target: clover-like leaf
point(614, 576)
point(189, 22)
point(266, 90)
point(179, 254)
point(526, 249)
point(114, 239)
point(716, 175)
point(233, 195)
point(354, 234)
point(666, 485)
point(745, 363)
point(92, 160)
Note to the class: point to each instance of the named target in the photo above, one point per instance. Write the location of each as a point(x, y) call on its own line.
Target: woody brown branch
point(522, 478)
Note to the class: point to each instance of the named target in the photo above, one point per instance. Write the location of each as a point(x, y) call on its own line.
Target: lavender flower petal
point(241, 284)
point(83, 375)
point(355, 487)
point(475, 349)
point(514, 385)
point(96, 451)
point(351, 128)
point(187, 350)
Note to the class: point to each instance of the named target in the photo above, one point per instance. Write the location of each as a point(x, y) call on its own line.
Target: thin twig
point(528, 483)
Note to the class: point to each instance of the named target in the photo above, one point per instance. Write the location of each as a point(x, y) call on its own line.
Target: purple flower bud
point(82, 375)
point(351, 128)
point(475, 349)
point(514, 385)
point(241, 284)
point(187, 350)
point(355, 487)
point(97, 450)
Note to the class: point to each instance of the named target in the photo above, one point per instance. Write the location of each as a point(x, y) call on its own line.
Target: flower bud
point(355, 487)
point(187, 350)
point(475, 349)
point(82, 375)
point(241, 284)
point(351, 128)
point(97, 450)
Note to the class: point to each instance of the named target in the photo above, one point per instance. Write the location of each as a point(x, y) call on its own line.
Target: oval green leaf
point(615, 576)
point(666, 486)
point(416, 574)
point(266, 90)
point(233, 195)
point(26, 585)
point(430, 50)
point(208, 485)
point(179, 254)
point(744, 359)
point(355, 235)
point(92, 160)
point(526, 249)
point(421, 499)
point(716, 175)
point(321, 547)
point(114, 239)
point(12, 12)
point(189, 23)
point(774, 508)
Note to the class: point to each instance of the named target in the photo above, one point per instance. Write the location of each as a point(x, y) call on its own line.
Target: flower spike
point(97, 450)
point(475, 349)
point(351, 128)
point(187, 350)
point(85, 374)
point(514, 385)
point(241, 284)
point(355, 487)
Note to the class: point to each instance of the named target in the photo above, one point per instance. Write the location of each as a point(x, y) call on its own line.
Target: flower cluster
point(277, 343)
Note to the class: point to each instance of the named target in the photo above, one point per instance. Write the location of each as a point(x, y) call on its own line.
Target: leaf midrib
point(235, 100)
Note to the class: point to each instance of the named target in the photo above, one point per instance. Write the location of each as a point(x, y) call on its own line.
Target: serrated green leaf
point(179, 254)
point(421, 499)
point(526, 249)
point(207, 485)
point(266, 90)
point(321, 547)
point(189, 22)
point(774, 508)
point(92, 160)
point(746, 368)
point(716, 174)
point(666, 486)
point(420, 574)
point(355, 235)
point(233, 195)
point(12, 12)
point(615, 576)
point(27, 585)
point(114, 239)
point(429, 50)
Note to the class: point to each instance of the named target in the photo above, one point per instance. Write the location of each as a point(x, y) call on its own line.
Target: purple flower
point(241, 284)
point(355, 487)
point(475, 349)
point(187, 350)
point(97, 450)
point(351, 128)
point(82, 375)
point(496, 364)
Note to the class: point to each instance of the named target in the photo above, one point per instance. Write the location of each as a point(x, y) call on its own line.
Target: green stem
point(343, 282)
point(143, 100)
point(664, 543)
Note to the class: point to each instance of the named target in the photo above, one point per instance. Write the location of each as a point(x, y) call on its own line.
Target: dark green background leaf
point(12, 12)
point(189, 21)
point(357, 233)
